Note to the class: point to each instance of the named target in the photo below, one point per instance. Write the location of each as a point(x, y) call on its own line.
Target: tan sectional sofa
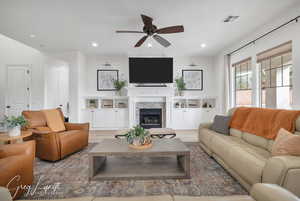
point(248, 158)
point(259, 192)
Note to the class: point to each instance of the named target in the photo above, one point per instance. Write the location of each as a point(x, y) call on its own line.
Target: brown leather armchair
point(53, 146)
point(16, 166)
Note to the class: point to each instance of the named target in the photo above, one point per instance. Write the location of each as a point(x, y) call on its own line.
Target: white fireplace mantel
point(150, 91)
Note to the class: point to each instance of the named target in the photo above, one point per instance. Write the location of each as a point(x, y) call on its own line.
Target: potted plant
point(119, 85)
point(14, 125)
point(180, 85)
point(138, 136)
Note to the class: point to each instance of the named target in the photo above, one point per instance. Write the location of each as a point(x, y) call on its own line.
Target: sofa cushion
point(236, 133)
point(5, 194)
point(221, 124)
point(144, 198)
point(54, 120)
point(256, 140)
point(221, 145)
point(270, 145)
point(206, 135)
point(271, 192)
point(239, 156)
point(34, 119)
point(248, 163)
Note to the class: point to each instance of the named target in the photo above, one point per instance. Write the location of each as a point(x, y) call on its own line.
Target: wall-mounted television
point(151, 70)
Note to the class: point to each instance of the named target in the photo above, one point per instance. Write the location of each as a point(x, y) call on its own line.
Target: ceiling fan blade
point(172, 29)
point(162, 41)
point(147, 20)
point(129, 31)
point(141, 41)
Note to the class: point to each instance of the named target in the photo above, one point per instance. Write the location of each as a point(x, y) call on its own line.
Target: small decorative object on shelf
point(138, 138)
point(92, 103)
point(14, 125)
point(119, 85)
point(180, 86)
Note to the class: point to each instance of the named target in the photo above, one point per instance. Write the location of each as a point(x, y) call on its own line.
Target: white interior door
point(18, 90)
point(57, 90)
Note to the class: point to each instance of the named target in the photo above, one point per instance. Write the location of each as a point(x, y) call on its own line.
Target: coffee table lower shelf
point(139, 167)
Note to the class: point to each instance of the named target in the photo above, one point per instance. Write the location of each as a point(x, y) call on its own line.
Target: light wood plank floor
point(184, 135)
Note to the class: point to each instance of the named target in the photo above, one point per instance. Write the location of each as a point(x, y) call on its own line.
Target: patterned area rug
point(69, 178)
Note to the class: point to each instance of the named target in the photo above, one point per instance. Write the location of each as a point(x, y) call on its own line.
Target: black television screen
point(150, 70)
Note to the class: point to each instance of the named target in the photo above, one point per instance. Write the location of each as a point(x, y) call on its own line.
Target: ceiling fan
point(151, 30)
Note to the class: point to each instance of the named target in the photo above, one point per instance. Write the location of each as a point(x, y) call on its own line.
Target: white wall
point(121, 63)
point(57, 85)
point(290, 32)
point(13, 52)
point(16, 53)
point(77, 64)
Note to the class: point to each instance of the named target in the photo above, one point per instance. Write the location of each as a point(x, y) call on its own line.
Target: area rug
point(69, 178)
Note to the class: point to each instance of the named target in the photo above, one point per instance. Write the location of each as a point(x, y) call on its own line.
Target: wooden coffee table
point(4, 137)
point(113, 159)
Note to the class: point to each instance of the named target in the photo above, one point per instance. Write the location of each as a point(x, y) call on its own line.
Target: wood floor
point(184, 135)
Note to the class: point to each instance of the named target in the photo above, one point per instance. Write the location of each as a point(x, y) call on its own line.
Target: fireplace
point(151, 118)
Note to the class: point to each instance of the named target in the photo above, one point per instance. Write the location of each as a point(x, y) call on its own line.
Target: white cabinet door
point(177, 119)
point(192, 118)
point(208, 115)
point(110, 118)
point(104, 118)
point(122, 118)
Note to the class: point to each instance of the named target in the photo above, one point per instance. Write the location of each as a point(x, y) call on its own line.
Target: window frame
point(248, 62)
point(269, 69)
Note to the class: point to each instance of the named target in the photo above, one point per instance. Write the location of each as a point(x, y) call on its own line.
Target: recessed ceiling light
point(203, 45)
point(94, 44)
point(149, 45)
point(32, 36)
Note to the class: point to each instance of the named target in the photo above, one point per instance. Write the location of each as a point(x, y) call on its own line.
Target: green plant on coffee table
point(12, 122)
point(138, 136)
point(180, 84)
point(119, 85)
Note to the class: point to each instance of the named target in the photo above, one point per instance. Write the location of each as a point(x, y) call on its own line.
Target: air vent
point(230, 18)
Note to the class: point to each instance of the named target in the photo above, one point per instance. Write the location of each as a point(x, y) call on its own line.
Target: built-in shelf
point(190, 102)
point(106, 102)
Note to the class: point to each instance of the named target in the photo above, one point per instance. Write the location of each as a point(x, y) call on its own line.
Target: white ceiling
point(66, 25)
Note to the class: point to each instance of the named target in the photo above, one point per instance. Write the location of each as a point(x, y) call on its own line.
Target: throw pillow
point(286, 143)
point(54, 120)
point(221, 124)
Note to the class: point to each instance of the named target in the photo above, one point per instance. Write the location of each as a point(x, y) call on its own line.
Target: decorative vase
point(16, 131)
point(119, 93)
point(181, 93)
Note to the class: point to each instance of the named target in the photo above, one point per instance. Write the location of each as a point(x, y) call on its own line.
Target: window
point(276, 77)
point(243, 83)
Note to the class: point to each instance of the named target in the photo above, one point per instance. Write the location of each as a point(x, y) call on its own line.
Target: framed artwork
point(105, 79)
point(193, 79)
